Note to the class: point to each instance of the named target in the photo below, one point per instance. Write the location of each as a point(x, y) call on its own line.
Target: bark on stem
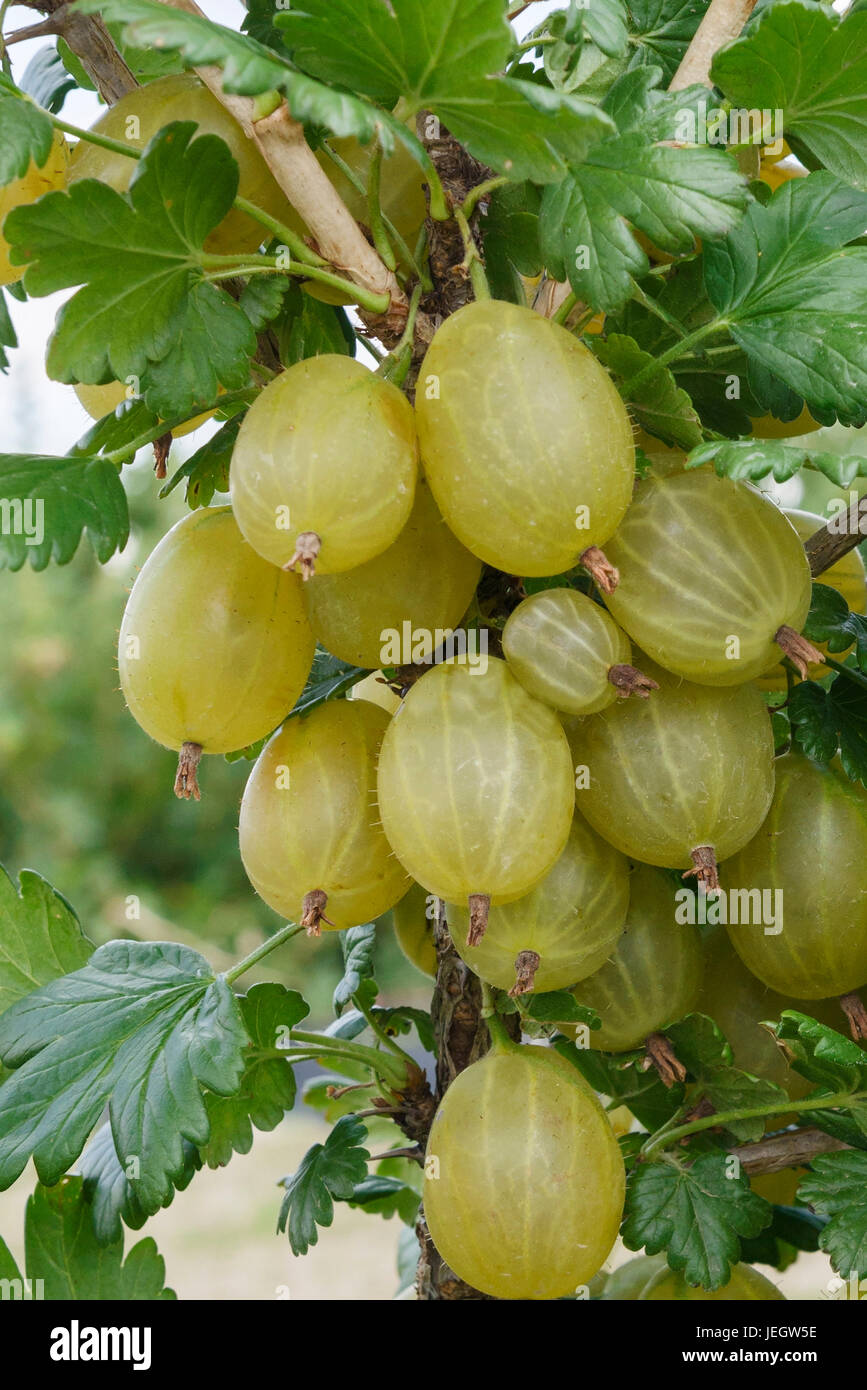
point(91, 42)
point(723, 22)
point(298, 172)
point(828, 545)
point(792, 1149)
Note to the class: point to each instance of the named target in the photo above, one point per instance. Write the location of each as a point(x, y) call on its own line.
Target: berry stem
point(605, 576)
point(307, 548)
point(526, 965)
point(853, 1007)
point(796, 647)
point(313, 912)
point(628, 680)
point(480, 906)
point(704, 868)
point(186, 782)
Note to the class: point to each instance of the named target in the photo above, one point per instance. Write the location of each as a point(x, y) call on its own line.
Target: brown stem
point(480, 906)
point(853, 1008)
point(722, 22)
point(307, 548)
point(704, 868)
point(186, 782)
point(162, 449)
point(415, 1153)
point(91, 42)
point(836, 538)
point(628, 680)
point(791, 1149)
point(33, 31)
point(526, 965)
point(796, 647)
point(313, 911)
point(661, 1055)
point(603, 573)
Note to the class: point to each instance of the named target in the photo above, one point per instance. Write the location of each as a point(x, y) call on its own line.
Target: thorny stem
point(721, 1119)
point(264, 949)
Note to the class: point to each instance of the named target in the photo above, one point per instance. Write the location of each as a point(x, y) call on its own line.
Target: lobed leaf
point(142, 1028)
point(46, 504)
point(327, 1171)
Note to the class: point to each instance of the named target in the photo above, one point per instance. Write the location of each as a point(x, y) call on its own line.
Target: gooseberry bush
point(506, 326)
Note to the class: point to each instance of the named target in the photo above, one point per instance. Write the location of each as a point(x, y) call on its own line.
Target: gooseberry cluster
point(538, 790)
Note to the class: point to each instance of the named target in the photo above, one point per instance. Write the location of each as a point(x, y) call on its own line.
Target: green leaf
point(357, 945)
point(26, 134)
point(145, 64)
point(837, 1186)
point(62, 1249)
point(307, 328)
point(642, 1092)
point(262, 299)
point(727, 1089)
point(830, 621)
point(47, 80)
point(700, 1044)
point(8, 1267)
point(207, 470)
point(446, 58)
point(327, 1171)
point(671, 194)
point(821, 1054)
point(557, 1006)
point(112, 1193)
point(267, 1088)
point(8, 336)
point(400, 1021)
point(137, 257)
point(660, 405)
point(792, 1229)
point(696, 1214)
point(824, 721)
point(752, 459)
point(664, 30)
point(384, 1196)
point(40, 936)
point(802, 60)
point(794, 295)
point(248, 66)
point(511, 239)
point(329, 679)
point(118, 429)
point(46, 504)
point(142, 1027)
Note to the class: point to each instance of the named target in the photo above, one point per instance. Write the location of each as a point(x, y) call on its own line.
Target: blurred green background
point(86, 797)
